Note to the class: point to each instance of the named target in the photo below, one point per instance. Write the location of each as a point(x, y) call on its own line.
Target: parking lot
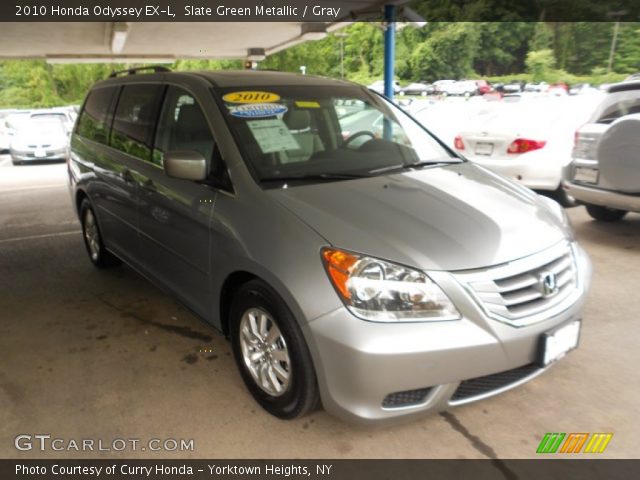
point(104, 354)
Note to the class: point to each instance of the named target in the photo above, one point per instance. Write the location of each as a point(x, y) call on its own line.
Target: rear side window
point(135, 119)
point(95, 119)
point(618, 105)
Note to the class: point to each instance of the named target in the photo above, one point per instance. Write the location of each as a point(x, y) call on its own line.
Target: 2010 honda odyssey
point(350, 256)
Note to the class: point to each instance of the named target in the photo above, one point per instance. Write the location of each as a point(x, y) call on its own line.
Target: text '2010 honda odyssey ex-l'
point(348, 254)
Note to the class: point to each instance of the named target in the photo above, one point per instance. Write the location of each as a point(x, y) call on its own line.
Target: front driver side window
point(183, 126)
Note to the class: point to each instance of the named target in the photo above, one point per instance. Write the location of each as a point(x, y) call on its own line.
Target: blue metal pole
point(389, 48)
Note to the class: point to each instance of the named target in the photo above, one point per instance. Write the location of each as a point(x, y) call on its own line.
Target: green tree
point(540, 63)
point(448, 52)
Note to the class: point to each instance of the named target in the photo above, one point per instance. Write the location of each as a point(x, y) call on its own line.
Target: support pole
point(389, 48)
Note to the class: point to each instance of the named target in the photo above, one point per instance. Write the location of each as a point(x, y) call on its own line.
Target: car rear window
point(616, 105)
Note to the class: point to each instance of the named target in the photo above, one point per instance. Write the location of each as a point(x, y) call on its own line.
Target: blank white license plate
point(484, 148)
point(556, 343)
point(587, 175)
point(39, 153)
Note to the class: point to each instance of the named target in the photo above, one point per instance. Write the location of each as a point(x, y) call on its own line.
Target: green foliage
point(540, 63)
point(542, 38)
point(447, 53)
point(535, 51)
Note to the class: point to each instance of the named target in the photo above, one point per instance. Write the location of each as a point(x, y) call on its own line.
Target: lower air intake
point(406, 399)
point(478, 386)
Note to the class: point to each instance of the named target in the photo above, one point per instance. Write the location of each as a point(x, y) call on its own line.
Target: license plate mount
point(556, 343)
point(586, 175)
point(484, 148)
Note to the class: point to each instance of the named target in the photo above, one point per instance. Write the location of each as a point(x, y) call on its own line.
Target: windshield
point(36, 128)
point(325, 133)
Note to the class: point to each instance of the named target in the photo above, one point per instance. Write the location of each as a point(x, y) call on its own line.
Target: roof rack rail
point(133, 71)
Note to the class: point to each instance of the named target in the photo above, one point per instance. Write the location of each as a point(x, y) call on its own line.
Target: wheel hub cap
point(265, 352)
point(91, 235)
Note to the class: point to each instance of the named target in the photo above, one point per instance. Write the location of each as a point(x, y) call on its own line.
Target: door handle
point(127, 176)
point(149, 185)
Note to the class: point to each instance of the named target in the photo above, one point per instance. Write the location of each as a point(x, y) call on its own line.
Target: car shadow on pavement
point(622, 235)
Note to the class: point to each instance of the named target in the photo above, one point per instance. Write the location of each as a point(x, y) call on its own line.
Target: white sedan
point(529, 141)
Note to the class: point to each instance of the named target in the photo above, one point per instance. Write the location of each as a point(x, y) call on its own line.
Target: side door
point(110, 191)
point(175, 214)
point(130, 143)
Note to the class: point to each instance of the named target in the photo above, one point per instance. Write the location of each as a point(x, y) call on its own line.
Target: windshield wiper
point(407, 166)
point(314, 176)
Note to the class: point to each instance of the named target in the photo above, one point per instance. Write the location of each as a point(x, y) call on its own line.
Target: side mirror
point(185, 164)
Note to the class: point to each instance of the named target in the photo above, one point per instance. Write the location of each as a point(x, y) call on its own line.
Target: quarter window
point(135, 119)
point(95, 118)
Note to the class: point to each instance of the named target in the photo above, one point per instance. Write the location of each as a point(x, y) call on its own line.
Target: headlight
point(19, 145)
point(381, 291)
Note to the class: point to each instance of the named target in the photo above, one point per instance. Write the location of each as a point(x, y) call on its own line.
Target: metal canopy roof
point(151, 41)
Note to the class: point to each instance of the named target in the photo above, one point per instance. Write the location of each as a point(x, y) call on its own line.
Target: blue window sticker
point(257, 110)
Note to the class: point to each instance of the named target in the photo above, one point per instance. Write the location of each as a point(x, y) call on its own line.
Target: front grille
point(475, 387)
point(516, 292)
point(406, 398)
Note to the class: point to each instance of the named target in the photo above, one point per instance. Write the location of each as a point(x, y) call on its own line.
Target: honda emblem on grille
point(548, 284)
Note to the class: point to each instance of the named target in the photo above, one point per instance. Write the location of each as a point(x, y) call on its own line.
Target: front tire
point(271, 353)
point(605, 214)
point(98, 254)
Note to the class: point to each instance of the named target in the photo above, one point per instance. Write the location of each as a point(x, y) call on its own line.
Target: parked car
point(39, 139)
point(462, 88)
point(63, 115)
point(483, 87)
point(458, 88)
point(440, 86)
point(536, 87)
point(513, 87)
point(528, 138)
point(5, 138)
point(378, 86)
point(386, 279)
point(579, 88)
point(604, 174)
point(13, 121)
point(418, 88)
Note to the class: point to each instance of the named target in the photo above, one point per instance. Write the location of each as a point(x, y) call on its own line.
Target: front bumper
point(604, 198)
point(359, 363)
point(30, 155)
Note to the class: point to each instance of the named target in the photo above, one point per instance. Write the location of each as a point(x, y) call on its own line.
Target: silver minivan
point(373, 270)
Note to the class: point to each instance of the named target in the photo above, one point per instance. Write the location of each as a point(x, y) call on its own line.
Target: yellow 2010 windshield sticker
point(251, 97)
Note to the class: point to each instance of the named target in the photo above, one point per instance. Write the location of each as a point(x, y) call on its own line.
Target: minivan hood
point(454, 217)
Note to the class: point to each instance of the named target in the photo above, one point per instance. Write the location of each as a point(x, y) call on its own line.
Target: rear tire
point(605, 214)
point(271, 352)
point(96, 250)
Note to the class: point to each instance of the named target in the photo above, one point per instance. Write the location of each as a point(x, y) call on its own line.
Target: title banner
point(320, 469)
point(315, 10)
